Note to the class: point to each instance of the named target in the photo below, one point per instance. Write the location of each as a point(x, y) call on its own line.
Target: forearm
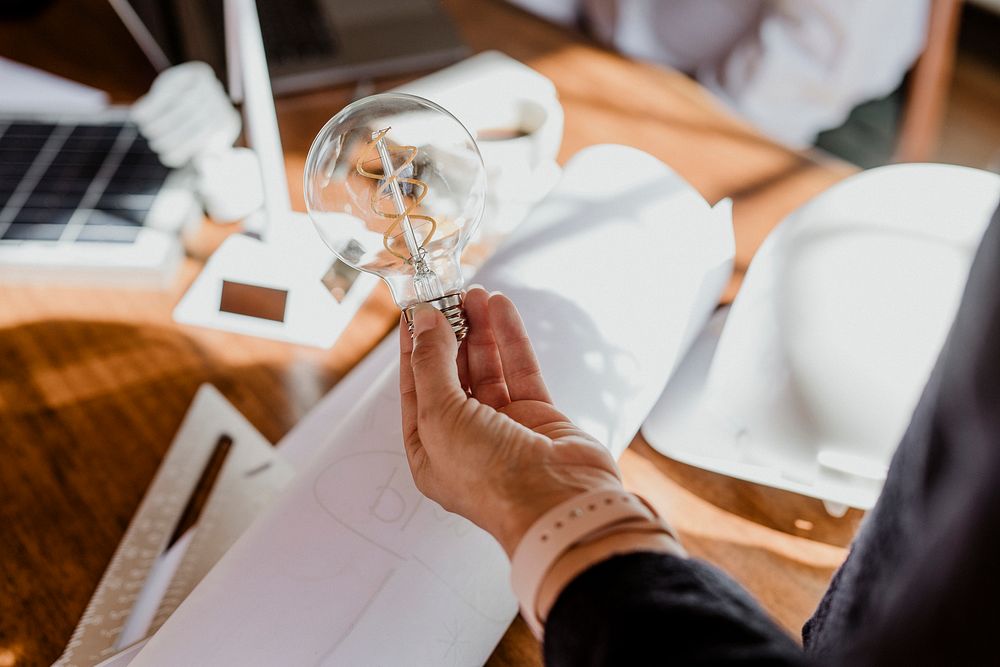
point(564, 12)
point(657, 607)
point(578, 560)
point(603, 579)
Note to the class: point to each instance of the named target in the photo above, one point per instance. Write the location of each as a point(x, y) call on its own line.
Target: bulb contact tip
point(451, 307)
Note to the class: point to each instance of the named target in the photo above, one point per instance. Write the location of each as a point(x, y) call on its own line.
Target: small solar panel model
point(83, 199)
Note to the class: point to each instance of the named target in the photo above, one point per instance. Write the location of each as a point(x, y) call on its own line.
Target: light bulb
point(395, 186)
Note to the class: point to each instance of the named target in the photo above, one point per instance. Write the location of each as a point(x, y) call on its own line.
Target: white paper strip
point(26, 89)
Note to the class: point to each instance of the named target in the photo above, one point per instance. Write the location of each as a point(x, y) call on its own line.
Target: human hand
point(482, 436)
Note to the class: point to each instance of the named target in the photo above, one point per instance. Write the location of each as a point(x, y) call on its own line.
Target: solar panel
point(66, 183)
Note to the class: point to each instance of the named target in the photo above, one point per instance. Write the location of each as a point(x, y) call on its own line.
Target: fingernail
point(424, 318)
point(475, 286)
point(496, 293)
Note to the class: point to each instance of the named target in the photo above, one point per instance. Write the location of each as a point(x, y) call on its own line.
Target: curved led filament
point(402, 213)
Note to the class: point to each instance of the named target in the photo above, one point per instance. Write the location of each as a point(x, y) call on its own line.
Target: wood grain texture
point(94, 383)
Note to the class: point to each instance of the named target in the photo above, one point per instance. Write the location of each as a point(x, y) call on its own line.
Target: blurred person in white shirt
point(793, 68)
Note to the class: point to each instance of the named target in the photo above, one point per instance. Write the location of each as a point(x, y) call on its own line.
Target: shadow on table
point(777, 509)
point(790, 598)
point(588, 377)
point(87, 411)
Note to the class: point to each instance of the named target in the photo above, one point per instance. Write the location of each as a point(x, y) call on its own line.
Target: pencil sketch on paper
point(371, 494)
point(361, 613)
point(439, 631)
point(454, 590)
point(453, 642)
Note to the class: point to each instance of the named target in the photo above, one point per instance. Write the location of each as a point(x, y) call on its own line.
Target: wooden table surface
point(94, 383)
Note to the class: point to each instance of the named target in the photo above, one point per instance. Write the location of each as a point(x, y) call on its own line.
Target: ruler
point(251, 474)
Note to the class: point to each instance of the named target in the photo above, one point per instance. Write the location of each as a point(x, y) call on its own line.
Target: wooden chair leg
point(930, 81)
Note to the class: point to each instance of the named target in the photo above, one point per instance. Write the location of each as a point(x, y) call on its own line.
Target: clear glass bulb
point(395, 186)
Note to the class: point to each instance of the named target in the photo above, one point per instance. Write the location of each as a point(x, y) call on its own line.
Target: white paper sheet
point(313, 431)
point(27, 89)
point(352, 566)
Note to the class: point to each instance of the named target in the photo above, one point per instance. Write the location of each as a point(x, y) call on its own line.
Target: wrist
point(581, 558)
point(520, 513)
point(518, 516)
point(563, 534)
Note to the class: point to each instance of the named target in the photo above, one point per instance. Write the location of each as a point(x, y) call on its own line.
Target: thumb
point(435, 371)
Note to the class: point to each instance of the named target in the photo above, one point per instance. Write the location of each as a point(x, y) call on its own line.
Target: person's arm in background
point(563, 12)
point(483, 439)
point(812, 61)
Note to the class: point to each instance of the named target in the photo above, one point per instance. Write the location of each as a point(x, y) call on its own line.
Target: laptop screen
point(174, 31)
point(309, 43)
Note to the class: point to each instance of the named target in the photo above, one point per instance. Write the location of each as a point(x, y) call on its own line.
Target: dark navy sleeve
point(657, 609)
point(920, 585)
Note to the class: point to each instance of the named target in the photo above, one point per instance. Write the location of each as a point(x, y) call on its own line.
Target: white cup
point(519, 139)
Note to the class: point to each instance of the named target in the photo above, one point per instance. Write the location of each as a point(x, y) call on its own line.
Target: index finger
point(520, 366)
point(407, 386)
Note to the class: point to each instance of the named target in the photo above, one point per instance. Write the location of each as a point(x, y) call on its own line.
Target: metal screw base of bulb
point(451, 307)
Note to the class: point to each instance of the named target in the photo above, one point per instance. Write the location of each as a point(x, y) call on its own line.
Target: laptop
point(309, 43)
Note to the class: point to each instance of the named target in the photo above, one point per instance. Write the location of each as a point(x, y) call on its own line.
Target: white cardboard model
point(830, 341)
